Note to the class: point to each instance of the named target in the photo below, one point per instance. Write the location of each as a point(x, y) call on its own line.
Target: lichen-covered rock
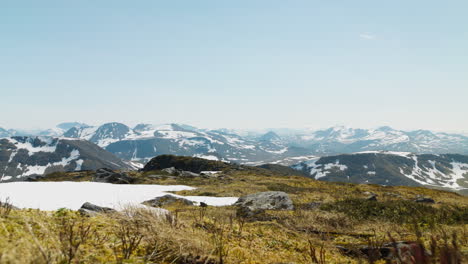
point(266, 201)
point(167, 200)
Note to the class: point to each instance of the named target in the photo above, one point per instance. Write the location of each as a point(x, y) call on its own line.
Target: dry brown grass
point(216, 234)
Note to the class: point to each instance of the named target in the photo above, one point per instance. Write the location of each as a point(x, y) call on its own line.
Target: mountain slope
point(391, 168)
point(32, 156)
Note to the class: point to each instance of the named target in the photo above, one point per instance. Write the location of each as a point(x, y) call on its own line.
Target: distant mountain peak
point(385, 129)
point(270, 136)
point(67, 125)
point(143, 127)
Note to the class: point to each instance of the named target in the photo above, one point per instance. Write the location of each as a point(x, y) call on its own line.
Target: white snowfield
point(49, 196)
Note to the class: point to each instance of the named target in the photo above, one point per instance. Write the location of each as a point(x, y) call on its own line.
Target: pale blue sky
point(237, 64)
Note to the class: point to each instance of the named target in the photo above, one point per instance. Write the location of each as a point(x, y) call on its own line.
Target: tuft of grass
point(5, 208)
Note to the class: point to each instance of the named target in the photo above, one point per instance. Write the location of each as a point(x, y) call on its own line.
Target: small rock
point(370, 196)
point(424, 200)
point(109, 176)
point(202, 204)
point(188, 174)
point(166, 200)
point(90, 209)
point(170, 170)
point(182, 173)
point(396, 195)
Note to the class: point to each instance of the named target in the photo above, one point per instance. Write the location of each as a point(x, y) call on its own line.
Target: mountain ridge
point(144, 141)
point(446, 171)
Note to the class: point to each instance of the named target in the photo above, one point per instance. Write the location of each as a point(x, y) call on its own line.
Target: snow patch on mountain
point(321, 170)
point(48, 146)
point(39, 170)
point(442, 171)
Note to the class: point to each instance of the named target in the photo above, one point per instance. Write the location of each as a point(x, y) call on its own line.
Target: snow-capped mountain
point(102, 135)
point(57, 131)
point(145, 141)
point(391, 168)
point(22, 157)
point(341, 139)
point(282, 146)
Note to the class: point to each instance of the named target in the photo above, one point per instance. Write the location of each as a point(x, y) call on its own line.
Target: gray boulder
point(167, 200)
point(422, 199)
point(89, 209)
point(182, 173)
point(109, 176)
point(266, 201)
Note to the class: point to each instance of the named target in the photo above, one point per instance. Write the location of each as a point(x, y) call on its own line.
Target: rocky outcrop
point(109, 176)
point(167, 200)
point(89, 209)
point(184, 163)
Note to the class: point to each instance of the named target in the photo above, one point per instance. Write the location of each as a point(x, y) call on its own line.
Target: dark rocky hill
point(448, 171)
point(25, 157)
point(184, 163)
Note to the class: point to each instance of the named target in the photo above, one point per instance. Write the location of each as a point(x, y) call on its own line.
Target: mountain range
point(144, 142)
point(382, 156)
point(284, 146)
